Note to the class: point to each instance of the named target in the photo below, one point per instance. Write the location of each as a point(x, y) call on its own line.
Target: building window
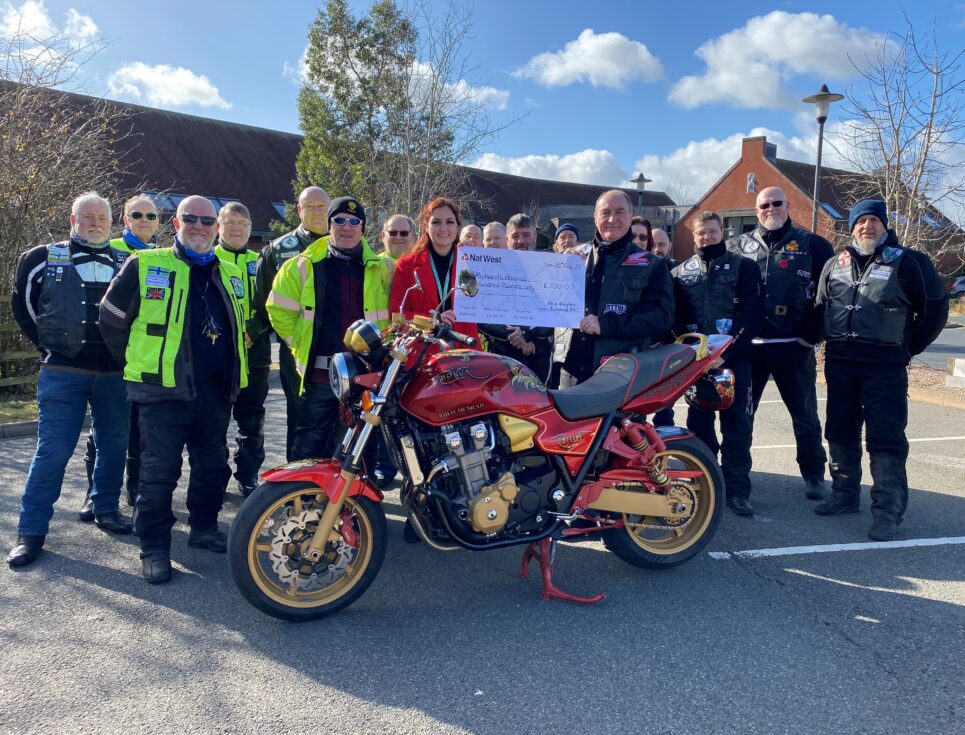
point(832, 211)
point(751, 183)
point(280, 208)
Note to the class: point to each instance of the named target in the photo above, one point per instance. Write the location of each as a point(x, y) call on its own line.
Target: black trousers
point(290, 385)
point(167, 428)
point(793, 367)
point(736, 428)
point(249, 415)
point(317, 422)
point(871, 393)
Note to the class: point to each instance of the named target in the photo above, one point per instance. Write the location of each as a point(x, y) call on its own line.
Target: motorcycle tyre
point(267, 495)
point(620, 543)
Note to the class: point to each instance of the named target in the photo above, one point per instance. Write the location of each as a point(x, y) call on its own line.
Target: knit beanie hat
point(874, 207)
point(347, 205)
point(563, 228)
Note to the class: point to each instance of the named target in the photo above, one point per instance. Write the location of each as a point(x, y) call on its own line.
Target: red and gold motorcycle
point(489, 458)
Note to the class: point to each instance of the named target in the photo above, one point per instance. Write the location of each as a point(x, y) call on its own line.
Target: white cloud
point(454, 96)
point(749, 67)
point(690, 171)
point(165, 86)
point(30, 19)
point(80, 28)
point(585, 167)
point(299, 72)
point(603, 60)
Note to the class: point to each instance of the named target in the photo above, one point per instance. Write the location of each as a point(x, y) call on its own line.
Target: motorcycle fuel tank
point(459, 384)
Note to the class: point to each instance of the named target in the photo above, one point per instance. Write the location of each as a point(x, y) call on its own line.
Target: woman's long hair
point(423, 242)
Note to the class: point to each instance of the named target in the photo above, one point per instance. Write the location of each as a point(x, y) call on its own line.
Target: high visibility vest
point(291, 303)
point(247, 262)
point(156, 334)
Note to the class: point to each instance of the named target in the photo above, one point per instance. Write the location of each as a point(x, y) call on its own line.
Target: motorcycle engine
point(490, 488)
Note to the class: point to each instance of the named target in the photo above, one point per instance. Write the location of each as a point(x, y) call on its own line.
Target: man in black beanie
point(880, 305)
point(790, 260)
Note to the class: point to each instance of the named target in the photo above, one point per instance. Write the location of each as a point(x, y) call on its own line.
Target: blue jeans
point(62, 398)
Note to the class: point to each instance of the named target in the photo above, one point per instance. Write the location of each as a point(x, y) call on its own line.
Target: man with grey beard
point(790, 260)
point(880, 305)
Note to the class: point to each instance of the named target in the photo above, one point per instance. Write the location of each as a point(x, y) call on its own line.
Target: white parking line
point(778, 400)
point(910, 441)
point(828, 548)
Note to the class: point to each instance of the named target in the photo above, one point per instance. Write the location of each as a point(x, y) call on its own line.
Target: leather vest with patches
point(787, 270)
point(708, 293)
point(867, 305)
point(68, 307)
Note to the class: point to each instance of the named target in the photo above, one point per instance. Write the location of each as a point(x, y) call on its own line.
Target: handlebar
point(445, 332)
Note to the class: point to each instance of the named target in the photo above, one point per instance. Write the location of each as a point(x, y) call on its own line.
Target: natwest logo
point(473, 258)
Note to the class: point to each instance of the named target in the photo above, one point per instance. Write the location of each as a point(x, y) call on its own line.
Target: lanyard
point(435, 273)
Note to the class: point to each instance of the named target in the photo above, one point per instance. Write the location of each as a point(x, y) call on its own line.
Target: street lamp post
point(822, 102)
point(640, 182)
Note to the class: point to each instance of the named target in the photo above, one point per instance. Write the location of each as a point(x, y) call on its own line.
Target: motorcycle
point(489, 459)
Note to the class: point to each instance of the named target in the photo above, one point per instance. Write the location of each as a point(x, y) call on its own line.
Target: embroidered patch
point(289, 242)
point(157, 276)
point(252, 267)
point(637, 259)
point(845, 258)
point(750, 246)
point(155, 294)
point(890, 254)
point(58, 254)
point(804, 274)
point(615, 309)
point(724, 325)
point(691, 265)
point(238, 287)
point(780, 310)
point(783, 263)
point(791, 246)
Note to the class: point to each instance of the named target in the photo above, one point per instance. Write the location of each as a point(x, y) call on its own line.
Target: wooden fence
point(19, 359)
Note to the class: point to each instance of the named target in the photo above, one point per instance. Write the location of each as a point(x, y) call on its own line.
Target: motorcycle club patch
point(252, 267)
point(724, 325)
point(157, 276)
point(615, 309)
point(881, 272)
point(804, 274)
point(238, 286)
point(154, 293)
point(692, 265)
point(289, 242)
point(637, 259)
point(844, 259)
point(889, 254)
point(791, 246)
point(750, 246)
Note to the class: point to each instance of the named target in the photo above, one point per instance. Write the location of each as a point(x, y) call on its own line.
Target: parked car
point(957, 290)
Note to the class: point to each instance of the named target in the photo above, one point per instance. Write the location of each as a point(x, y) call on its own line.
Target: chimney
point(757, 147)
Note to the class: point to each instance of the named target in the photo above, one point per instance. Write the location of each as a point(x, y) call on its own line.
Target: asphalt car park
point(787, 623)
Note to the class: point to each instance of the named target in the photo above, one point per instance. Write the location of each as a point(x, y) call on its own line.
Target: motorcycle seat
point(620, 379)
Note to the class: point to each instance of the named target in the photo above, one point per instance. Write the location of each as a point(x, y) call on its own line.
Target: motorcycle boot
point(845, 466)
point(889, 494)
point(86, 512)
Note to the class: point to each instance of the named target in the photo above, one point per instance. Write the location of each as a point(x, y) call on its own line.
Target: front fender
point(324, 473)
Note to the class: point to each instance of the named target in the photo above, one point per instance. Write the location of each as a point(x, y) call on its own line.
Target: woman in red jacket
point(433, 258)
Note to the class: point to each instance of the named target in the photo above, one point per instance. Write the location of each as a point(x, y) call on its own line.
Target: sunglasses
point(354, 221)
point(640, 236)
point(149, 216)
point(193, 218)
point(398, 233)
point(767, 205)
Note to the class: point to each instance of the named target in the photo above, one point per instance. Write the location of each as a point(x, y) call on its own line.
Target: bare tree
point(52, 146)
point(904, 138)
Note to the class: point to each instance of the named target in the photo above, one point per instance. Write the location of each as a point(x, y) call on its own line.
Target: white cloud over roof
point(162, 85)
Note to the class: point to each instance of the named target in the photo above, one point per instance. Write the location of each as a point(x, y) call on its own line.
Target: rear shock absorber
point(645, 439)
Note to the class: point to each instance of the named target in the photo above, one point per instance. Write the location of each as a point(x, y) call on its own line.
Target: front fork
point(350, 468)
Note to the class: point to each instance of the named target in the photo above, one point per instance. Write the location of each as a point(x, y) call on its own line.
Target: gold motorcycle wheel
point(268, 543)
point(659, 543)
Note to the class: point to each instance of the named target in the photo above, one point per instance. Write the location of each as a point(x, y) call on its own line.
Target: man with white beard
point(790, 260)
point(880, 305)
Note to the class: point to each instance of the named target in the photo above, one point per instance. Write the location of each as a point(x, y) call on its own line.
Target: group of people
point(165, 345)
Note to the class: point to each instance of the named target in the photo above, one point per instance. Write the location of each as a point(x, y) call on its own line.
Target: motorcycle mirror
point(467, 282)
point(417, 286)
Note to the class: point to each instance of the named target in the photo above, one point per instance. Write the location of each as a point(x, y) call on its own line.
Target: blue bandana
point(134, 242)
point(192, 256)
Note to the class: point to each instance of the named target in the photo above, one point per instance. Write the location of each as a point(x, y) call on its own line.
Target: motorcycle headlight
point(342, 370)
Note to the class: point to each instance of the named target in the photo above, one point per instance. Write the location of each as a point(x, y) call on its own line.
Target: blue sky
point(601, 90)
